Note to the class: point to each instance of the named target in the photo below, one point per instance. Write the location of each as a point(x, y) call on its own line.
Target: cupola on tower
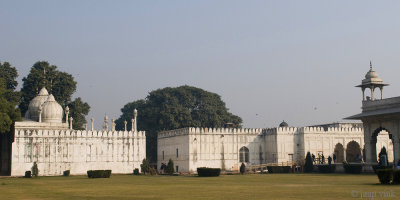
point(371, 81)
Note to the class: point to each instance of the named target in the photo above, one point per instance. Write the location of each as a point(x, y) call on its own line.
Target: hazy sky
point(270, 61)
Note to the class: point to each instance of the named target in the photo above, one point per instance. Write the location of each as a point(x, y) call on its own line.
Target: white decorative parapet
point(78, 151)
point(198, 130)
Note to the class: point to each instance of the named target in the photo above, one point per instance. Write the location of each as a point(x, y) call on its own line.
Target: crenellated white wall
point(209, 147)
point(78, 151)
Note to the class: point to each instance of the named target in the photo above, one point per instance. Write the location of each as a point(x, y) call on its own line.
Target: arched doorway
point(244, 155)
point(383, 138)
point(339, 152)
point(353, 152)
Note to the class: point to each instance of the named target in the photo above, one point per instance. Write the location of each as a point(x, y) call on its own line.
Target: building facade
point(44, 138)
point(227, 148)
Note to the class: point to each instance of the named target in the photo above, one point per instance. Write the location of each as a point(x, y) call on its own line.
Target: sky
point(269, 61)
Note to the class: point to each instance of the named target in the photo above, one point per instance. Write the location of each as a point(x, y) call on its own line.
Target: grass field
point(266, 186)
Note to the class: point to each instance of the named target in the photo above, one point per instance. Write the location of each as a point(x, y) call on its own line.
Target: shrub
point(136, 171)
point(170, 167)
point(152, 171)
point(35, 170)
point(66, 173)
point(396, 176)
point(376, 167)
point(385, 175)
point(326, 168)
point(28, 174)
point(352, 168)
point(99, 173)
point(208, 172)
point(145, 166)
point(308, 167)
point(242, 168)
point(278, 169)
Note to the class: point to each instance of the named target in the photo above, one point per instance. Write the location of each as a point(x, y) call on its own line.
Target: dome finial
point(370, 64)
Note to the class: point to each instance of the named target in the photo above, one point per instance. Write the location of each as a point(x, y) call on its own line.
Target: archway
point(339, 152)
point(353, 152)
point(383, 138)
point(244, 155)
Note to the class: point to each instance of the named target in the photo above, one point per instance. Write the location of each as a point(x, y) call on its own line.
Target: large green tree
point(61, 84)
point(8, 97)
point(78, 111)
point(172, 108)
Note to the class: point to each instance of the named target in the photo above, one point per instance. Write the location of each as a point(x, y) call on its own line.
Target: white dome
point(33, 108)
point(371, 74)
point(372, 77)
point(52, 111)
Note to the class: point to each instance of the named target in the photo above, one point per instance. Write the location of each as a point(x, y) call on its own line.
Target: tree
point(8, 97)
point(145, 166)
point(61, 84)
point(242, 168)
point(308, 167)
point(78, 111)
point(170, 167)
point(173, 108)
point(35, 170)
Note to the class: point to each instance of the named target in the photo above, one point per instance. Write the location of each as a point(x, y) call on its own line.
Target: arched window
point(244, 154)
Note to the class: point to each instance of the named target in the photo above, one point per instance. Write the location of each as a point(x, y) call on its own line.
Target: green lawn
point(266, 186)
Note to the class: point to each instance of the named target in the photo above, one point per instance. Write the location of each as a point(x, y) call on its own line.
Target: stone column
point(373, 151)
point(396, 150)
point(135, 113)
point(92, 120)
point(125, 122)
point(40, 113)
point(363, 94)
point(381, 88)
point(372, 93)
point(66, 114)
point(70, 123)
point(112, 125)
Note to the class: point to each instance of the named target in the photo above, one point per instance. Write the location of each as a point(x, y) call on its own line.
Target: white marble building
point(45, 139)
point(227, 148)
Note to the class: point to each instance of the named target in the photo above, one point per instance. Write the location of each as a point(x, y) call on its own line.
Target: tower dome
point(284, 124)
point(33, 108)
point(371, 74)
point(52, 111)
point(371, 77)
point(371, 81)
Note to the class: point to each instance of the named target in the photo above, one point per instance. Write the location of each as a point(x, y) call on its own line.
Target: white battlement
point(198, 130)
point(311, 129)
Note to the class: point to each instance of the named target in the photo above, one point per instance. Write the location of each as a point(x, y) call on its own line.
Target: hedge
point(66, 173)
point(28, 174)
point(207, 172)
point(396, 176)
point(385, 176)
point(352, 168)
point(136, 171)
point(326, 168)
point(278, 169)
point(376, 167)
point(99, 173)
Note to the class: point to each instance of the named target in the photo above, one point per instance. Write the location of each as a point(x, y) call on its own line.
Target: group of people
point(321, 158)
